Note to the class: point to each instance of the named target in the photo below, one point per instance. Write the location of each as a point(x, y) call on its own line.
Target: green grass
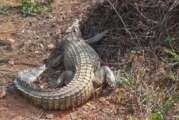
point(31, 8)
point(27, 8)
point(151, 91)
point(6, 9)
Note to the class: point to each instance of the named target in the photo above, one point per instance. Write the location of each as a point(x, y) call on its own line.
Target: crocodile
point(83, 71)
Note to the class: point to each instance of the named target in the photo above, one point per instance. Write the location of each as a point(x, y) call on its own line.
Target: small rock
point(11, 62)
point(41, 45)
point(50, 46)
point(90, 105)
point(11, 40)
point(2, 92)
point(37, 52)
point(49, 116)
point(102, 99)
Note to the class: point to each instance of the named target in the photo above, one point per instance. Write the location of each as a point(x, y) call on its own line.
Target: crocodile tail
point(56, 99)
point(77, 92)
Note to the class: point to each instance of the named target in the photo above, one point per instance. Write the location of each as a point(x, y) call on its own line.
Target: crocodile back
point(78, 57)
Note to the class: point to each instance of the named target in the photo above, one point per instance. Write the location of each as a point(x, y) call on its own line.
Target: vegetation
point(27, 8)
point(6, 9)
point(152, 91)
point(149, 68)
point(31, 7)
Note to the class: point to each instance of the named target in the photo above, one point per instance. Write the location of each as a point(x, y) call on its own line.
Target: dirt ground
point(27, 44)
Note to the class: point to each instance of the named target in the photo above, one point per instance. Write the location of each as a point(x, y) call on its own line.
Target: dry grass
point(142, 23)
point(148, 90)
point(150, 86)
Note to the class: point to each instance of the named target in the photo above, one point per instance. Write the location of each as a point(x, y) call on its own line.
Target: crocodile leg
point(104, 75)
point(30, 75)
point(63, 79)
point(97, 37)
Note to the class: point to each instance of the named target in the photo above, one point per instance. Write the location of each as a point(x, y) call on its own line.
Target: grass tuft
point(31, 7)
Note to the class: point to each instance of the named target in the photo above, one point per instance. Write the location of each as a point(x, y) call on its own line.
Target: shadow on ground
point(132, 24)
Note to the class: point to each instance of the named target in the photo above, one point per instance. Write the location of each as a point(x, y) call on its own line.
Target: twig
point(38, 118)
point(174, 5)
point(165, 18)
point(148, 20)
point(126, 29)
point(72, 117)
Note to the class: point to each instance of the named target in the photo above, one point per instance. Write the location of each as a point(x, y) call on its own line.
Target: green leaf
point(131, 117)
point(31, 8)
point(155, 116)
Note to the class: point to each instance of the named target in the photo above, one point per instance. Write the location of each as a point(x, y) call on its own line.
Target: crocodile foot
point(104, 75)
point(63, 79)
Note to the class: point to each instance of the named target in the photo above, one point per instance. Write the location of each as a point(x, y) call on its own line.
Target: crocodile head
point(111, 81)
point(73, 32)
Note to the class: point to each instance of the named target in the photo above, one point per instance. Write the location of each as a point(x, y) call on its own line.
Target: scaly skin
point(83, 61)
point(84, 64)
